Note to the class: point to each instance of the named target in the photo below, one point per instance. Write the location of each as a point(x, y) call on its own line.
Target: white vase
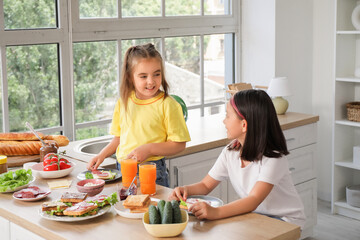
point(355, 16)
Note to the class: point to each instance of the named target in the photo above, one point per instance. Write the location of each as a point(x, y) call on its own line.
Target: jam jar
point(48, 148)
point(3, 164)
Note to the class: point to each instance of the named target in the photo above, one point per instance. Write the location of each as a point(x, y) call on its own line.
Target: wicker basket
point(353, 111)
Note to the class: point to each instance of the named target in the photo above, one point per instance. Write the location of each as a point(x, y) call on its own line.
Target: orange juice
point(147, 175)
point(128, 171)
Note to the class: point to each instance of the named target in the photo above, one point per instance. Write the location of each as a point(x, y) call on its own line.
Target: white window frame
point(72, 29)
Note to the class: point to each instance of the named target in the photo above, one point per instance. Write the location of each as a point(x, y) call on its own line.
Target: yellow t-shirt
point(153, 120)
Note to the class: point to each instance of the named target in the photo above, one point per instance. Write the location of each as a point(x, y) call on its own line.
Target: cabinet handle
point(291, 169)
point(176, 178)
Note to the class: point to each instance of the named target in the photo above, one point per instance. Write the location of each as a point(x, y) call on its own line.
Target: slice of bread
point(133, 201)
point(56, 206)
point(80, 209)
point(73, 197)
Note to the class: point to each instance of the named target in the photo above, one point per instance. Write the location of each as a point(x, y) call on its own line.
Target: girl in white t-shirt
point(254, 162)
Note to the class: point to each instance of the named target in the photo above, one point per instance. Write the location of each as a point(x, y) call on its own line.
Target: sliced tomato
point(64, 164)
point(49, 158)
point(54, 166)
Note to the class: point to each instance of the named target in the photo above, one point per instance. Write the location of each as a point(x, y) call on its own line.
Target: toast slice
point(55, 207)
point(80, 209)
point(72, 197)
point(133, 201)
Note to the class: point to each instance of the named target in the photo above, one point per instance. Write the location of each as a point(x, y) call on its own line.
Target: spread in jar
point(3, 164)
point(48, 148)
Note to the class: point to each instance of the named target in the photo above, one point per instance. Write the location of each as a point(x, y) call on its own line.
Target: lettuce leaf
point(14, 179)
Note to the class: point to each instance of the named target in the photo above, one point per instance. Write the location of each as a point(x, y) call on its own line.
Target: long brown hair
point(133, 54)
point(264, 136)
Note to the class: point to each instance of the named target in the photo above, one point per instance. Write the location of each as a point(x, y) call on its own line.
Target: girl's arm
point(157, 149)
point(248, 204)
point(104, 153)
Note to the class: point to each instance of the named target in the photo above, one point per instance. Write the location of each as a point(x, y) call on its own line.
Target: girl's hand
point(179, 193)
point(94, 162)
point(140, 153)
point(203, 210)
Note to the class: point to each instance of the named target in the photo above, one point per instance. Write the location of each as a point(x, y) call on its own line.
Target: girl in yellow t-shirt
point(147, 123)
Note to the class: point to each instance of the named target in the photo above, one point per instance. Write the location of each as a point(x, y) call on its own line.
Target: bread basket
point(353, 111)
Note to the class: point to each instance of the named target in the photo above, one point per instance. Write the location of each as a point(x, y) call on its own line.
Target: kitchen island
point(21, 220)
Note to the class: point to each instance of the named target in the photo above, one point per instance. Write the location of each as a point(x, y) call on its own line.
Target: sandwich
point(137, 203)
point(103, 200)
point(70, 198)
point(103, 174)
point(81, 209)
point(191, 201)
point(54, 207)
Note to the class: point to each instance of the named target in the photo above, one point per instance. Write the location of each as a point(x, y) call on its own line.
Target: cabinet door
point(302, 164)
point(193, 168)
point(20, 233)
point(4, 228)
point(308, 195)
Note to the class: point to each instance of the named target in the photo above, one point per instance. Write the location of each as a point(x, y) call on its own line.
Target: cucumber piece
point(176, 211)
point(167, 217)
point(161, 205)
point(154, 215)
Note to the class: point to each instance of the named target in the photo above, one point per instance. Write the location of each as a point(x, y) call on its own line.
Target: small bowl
point(166, 230)
point(39, 172)
point(91, 190)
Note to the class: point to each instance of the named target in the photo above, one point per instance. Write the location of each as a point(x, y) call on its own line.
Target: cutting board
point(18, 161)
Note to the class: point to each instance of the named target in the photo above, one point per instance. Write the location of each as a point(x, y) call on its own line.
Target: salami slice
point(18, 194)
point(28, 194)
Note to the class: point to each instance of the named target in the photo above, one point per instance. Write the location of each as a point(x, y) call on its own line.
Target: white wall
point(294, 38)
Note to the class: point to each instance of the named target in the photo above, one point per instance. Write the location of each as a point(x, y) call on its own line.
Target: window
point(60, 70)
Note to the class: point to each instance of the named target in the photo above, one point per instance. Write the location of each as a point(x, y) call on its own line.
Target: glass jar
point(3, 164)
point(48, 148)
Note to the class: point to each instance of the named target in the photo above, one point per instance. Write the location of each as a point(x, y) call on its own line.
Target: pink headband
point(232, 102)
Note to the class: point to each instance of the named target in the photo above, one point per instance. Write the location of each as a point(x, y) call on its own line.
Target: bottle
point(48, 148)
point(3, 164)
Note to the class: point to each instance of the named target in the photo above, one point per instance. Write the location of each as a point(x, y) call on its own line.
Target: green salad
point(13, 179)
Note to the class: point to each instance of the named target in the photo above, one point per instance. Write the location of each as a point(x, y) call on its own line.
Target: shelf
point(348, 79)
point(348, 123)
point(345, 209)
point(348, 164)
point(348, 32)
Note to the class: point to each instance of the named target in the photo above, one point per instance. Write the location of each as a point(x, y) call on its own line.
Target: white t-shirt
point(283, 200)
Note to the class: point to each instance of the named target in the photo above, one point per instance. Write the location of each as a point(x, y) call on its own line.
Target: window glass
point(214, 68)
point(95, 80)
point(182, 67)
point(1, 97)
point(182, 7)
point(90, 132)
point(33, 86)
point(125, 44)
point(98, 8)
point(21, 14)
point(216, 7)
point(140, 8)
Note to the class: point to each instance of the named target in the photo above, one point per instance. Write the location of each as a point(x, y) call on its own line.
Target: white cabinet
point(301, 142)
point(346, 134)
point(12, 231)
point(4, 228)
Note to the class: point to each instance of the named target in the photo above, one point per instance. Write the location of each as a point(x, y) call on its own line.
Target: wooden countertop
point(26, 215)
point(206, 133)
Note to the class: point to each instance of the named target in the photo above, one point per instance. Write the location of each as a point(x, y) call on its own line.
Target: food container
point(96, 186)
point(49, 148)
point(353, 195)
point(3, 164)
point(166, 230)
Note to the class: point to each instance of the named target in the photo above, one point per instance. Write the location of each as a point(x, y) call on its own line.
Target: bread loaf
point(59, 139)
point(14, 148)
point(20, 136)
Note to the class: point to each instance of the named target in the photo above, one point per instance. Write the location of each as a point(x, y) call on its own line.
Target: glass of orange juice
point(128, 171)
point(147, 175)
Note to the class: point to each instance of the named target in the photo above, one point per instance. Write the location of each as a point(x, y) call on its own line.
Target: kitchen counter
point(113, 226)
point(206, 133)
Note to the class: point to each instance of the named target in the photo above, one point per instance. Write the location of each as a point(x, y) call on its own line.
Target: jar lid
point(3, 159)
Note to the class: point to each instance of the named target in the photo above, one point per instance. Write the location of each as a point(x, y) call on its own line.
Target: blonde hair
point(133, 54)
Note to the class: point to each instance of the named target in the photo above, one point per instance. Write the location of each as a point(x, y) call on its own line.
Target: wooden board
point(18, 161)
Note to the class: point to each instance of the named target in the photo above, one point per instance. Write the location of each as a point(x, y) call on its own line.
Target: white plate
point(21, 187)
point(39, 172)
point(125, 212)
point(102, 211)
point(38, 197)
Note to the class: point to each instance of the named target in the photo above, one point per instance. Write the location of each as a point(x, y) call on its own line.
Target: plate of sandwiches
point(74, 207)
point(135, 206)
point(212, 201)
point(107, 174)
